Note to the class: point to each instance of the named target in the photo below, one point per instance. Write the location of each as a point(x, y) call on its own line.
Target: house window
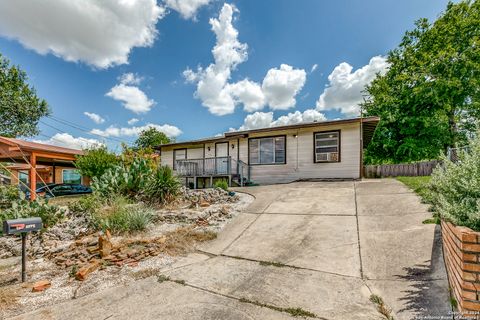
point(71, 176)
point(269, 150)
point(327, 146)
point(23, 177)
point(179, 154)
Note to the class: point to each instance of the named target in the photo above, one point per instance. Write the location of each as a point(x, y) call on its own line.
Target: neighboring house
point(31, 163)
point(317, 150)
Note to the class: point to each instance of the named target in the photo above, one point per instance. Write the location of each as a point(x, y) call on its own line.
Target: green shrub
point(125, 179)
point(221, 184)
point(8, 195)
point(162, 186)
point(50, 214)
point(96, 161)
point(86, 204)
point(120, 216)
point(455, 188)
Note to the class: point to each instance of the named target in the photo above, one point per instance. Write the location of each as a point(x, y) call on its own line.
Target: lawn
point(417, 184)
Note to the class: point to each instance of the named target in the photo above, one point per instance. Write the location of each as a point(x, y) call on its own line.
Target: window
point(71, 176)
point(269, 150)
point(23, 177)
point(179, 154)
point(327, 146)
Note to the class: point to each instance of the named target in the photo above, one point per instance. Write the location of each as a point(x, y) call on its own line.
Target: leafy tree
point(150, 138)
point(429, 99)
point(96, 161)
point(20, 108)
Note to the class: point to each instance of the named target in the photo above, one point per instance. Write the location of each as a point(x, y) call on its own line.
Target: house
point(30, 163)
point(316, 150)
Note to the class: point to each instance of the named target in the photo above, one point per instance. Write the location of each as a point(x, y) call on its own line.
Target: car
point(60, 189)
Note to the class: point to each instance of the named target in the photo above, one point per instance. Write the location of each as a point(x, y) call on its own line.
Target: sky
point(197, 68)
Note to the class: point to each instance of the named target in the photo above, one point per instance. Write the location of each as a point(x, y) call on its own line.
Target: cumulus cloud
point(279, 87)
point(68, 141)
point(344, 90)
point(130, 95)
point(186, 8)
point(132, 121)
point(259, 120)
point(94, 117)
point(99, 33)
point(114, 131)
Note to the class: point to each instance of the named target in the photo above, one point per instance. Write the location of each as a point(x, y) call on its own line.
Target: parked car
point(60, 189)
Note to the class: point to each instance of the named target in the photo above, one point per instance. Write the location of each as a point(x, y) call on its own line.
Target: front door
point(221, 158)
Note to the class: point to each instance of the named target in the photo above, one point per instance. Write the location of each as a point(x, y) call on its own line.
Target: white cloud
point(132, 121)
point(99, 33)
point(94, 117)
point(130, 78)
point(113, 131)
point(280, 86)
point(130, 95)
point(249, 93)
point(344, 90)
point(186, 8)
point(314, 67)
point(278, 89)
point(265, 119)
point(68, 141)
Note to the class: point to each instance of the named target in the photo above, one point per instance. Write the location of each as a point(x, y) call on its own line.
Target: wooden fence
point(394, 170)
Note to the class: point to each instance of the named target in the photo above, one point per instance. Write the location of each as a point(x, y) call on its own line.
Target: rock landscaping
point(71, 259)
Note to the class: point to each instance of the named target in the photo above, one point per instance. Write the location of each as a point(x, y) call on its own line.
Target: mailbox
point(16, 226)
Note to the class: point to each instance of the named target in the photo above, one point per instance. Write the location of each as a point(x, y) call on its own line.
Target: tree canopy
point(150, 138)
point(20, 108)
point(96, 161)
point(429, 99)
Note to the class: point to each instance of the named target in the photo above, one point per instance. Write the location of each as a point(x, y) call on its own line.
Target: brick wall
point(461, 247)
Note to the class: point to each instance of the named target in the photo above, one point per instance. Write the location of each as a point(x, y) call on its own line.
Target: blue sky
point(274, 59)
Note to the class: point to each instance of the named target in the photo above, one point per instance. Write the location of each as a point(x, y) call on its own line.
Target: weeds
point(296, 312)
point(381, 307)
point(221, 184)
point(272, 263)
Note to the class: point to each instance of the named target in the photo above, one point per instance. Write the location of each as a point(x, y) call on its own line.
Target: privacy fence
point(394, 170)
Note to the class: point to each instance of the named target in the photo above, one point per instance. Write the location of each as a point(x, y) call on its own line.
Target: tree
point(429, 99)
point(150, 138)
point(95, 161)
point(20, 108)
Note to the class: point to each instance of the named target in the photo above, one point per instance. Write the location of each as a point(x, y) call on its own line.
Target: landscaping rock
point(85, 271)
point(40, 286)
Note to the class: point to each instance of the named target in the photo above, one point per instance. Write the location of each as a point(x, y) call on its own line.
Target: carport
point(33, 154)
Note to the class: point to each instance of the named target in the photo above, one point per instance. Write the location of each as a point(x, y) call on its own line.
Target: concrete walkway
point(322, 247)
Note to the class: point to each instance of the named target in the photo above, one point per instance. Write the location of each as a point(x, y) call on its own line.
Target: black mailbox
point(16, 226)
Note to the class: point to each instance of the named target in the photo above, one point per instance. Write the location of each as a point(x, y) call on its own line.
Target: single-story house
point(31, 163)
point(316, 150)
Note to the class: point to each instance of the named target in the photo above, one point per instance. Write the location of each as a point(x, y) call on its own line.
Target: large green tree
point(429, 99)
point(95, 161)
point(20, 108)
point(150, 138)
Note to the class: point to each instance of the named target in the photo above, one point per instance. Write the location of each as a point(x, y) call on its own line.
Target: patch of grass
point(221, 184)
point(434, 220)
point(162, 278)
point(454, 302)
point(381, 307)
point(273, 264)
point(182, 282)
point(295, 312)
point(73, 271)
point(419, 185)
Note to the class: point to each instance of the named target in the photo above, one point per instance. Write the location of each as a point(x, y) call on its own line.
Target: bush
point(8, 195)
point(86, 204)
point(50, 214)
point(120, 216)
point(96, 161)
point(455, 188)
point(221, 184)
point(163, 185)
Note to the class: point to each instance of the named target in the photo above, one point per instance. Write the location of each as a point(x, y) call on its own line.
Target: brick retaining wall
point(461, 249)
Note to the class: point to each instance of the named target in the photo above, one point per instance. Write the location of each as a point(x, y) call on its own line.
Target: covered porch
point(40, 161)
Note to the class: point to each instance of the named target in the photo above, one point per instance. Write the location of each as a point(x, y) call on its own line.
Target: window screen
point(267, 150)
point(327, 146)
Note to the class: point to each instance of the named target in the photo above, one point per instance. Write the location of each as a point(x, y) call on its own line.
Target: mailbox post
point(22, 226)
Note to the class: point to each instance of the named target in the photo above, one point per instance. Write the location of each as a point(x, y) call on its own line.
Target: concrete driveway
point(309, 247)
